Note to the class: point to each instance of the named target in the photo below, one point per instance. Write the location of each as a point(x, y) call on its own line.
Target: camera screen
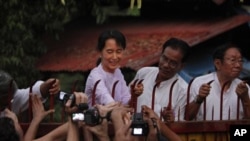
point(61, 95)
point(77, 116)
point(137, 131)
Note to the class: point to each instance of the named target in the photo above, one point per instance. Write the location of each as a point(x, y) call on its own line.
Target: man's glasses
point(171, 63)
point(233, 61)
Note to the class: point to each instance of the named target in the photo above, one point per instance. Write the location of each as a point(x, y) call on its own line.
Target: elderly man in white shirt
point(220, 95)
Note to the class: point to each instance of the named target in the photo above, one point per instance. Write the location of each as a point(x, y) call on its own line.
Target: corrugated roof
point(76, 49)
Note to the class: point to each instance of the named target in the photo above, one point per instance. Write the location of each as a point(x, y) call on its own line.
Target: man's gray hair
point(5, 84)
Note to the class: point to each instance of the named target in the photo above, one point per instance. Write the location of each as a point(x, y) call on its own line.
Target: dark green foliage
point(23, 25)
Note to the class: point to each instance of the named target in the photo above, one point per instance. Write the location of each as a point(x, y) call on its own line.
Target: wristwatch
point(198, 99)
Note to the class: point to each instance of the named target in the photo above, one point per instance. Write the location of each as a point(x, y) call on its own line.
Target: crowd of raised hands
point(114, 117)
point(119, 119)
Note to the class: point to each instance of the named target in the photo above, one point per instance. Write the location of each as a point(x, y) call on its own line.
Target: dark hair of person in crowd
point(8, 130)
point(6, 82)
point(177, 44)
point(219, 52)
point(110, 34)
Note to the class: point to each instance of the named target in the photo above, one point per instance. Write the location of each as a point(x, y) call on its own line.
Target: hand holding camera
point(72, 102)
point(145, 123)
point(100, 129)
point(133, 126)
point(76, 105)
point(96, 125)
point(139, 126)
point(154, 122)
point(121, 119)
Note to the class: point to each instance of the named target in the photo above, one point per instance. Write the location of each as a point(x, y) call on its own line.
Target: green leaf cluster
point(23, 25)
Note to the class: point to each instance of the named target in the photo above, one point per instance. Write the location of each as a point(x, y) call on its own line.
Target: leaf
point(63, 2)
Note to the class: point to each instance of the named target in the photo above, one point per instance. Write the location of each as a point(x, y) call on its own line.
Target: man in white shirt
point(18, 99)
point(158, 82)
point(224, 95)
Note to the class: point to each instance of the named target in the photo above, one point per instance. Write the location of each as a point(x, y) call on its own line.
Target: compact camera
point(64, 97)
point(90, 117)
point(139, 126)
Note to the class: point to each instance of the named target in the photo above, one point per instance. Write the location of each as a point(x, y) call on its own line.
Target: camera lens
point(92, 117)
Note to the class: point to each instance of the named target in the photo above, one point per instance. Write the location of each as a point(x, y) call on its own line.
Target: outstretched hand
point(79, 98)
point(121, 119)
point(38, 109)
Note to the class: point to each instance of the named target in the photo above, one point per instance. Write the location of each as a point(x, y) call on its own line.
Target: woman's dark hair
point(111, 34)
point(7, 130)
point(176, 44)
point(219, 52)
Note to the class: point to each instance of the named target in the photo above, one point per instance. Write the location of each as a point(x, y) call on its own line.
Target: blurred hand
point(80, 97)
point(204, 90)
point(137, 88)
point(168, 115)
point(101, 130)
point(149, 115)
point(120, 115)
point(108, 108)
point(242, 90)
point(50, 87)
point(121, 119)
point(38, 109)
point(55, 86)
point(13, 116)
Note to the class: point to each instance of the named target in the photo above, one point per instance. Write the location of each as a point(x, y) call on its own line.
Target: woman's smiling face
point(111, 55)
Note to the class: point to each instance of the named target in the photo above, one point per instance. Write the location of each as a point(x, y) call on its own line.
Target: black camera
point(64, 97)
point(90, 117)
point(79, 116)
point(139, 126)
